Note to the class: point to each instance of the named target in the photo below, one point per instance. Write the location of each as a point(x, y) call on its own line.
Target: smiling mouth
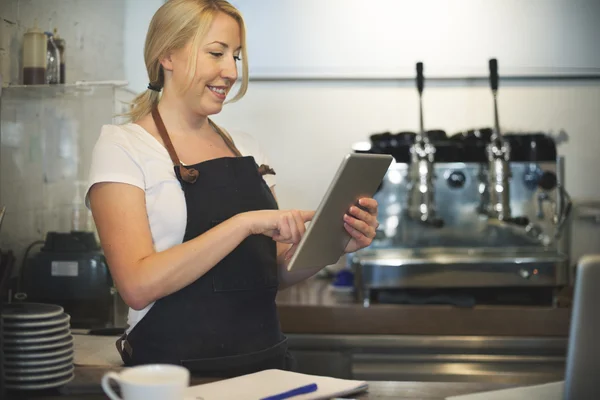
point(218, 90)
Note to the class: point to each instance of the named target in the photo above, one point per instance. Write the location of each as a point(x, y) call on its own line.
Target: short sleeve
point(114, 160)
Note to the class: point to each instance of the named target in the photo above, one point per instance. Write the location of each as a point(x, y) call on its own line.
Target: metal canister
point(34, 57)
point(60, 43)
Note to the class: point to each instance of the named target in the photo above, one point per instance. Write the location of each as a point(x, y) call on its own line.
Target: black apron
point(225, 323)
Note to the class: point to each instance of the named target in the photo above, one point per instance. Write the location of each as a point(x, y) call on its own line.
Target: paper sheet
point(547, 391)
point(96, 351)
point(270, 382)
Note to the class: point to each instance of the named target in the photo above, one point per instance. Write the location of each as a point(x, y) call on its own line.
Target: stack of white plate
point(37, 345)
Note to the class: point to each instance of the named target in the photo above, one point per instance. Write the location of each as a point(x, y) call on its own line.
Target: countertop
point(86, 386)
point(313, 307)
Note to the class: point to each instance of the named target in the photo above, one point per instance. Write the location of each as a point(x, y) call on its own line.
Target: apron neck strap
point(189, 175)
point(226, 138)
point(162, 130)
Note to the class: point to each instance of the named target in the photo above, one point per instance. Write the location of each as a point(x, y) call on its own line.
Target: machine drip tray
point(467, 297)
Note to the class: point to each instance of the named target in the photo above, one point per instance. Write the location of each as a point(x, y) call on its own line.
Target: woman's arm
point(360, 224)
point(143, 275)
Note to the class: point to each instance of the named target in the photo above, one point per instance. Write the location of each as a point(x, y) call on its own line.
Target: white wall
point(307, 127)
point(138, 14)
point(452, 37)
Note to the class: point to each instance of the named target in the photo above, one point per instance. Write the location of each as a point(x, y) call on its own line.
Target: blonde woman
point(187, 214)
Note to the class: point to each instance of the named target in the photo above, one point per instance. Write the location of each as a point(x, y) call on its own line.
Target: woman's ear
point(167, 62)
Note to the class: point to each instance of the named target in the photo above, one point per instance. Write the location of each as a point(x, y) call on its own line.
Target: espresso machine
point(473, 217)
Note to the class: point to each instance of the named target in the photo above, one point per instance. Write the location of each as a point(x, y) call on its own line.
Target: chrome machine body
point(500, 211)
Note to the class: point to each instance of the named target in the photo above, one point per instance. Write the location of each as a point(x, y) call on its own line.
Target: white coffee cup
point(148, 382)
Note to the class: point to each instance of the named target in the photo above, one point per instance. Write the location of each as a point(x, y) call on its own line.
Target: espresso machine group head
point(421, 198)
point(498, 153)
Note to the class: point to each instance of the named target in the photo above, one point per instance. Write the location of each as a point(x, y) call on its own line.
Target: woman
point(187, 214)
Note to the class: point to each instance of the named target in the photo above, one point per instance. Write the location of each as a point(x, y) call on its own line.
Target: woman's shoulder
point(130, 137)
point(245, 142)
point(121, 133)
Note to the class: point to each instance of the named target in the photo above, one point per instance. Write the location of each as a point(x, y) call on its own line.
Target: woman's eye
point(237, 58)
point(216, 54)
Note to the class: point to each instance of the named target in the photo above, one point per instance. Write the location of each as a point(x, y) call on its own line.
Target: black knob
point(420, 79)
point(433, 222)
point(456, 179)
point(548, 181)
point(494, 74)
point(521, 221)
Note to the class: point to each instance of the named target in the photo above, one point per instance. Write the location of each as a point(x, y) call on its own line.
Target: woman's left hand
point(361, 224)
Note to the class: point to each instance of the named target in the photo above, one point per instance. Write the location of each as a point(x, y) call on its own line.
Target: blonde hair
point(174, 24)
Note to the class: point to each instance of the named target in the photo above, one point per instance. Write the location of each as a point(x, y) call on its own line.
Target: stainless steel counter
point(431, 358)
point(333, 334)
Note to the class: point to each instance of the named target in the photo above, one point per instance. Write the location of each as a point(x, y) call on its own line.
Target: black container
point(70, 270)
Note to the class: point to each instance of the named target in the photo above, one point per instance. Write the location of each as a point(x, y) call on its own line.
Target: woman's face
point(216, 69)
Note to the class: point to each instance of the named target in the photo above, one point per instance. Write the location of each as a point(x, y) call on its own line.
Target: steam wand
point(421, 197)
point(498, 152)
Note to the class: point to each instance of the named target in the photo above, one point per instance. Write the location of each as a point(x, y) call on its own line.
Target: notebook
point(272, 382)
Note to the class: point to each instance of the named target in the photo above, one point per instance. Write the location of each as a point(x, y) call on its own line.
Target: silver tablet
point(583, 352)
point(325, 239)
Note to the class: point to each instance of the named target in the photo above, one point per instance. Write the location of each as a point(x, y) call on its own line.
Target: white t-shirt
point(129, 154)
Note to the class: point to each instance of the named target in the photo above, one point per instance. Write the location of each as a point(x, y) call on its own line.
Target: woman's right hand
point(284, 226)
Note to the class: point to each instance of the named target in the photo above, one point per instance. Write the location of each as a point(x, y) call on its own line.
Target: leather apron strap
point(189, 174)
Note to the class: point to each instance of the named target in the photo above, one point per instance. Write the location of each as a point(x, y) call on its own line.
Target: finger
point(358, 236)
point(307, 215)
point(370, 204)
point(290, 252)
point(284, 230)
point(271, 232)
point(360, 226)
point(299, 223)
point(294, 231)
point(363, 216)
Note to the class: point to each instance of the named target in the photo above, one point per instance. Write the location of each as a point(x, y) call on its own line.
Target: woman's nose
point(230, 70)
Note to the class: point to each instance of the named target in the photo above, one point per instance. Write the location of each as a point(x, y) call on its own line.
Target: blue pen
point(294, 392)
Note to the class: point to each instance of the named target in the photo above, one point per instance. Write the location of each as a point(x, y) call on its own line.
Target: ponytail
point(142, 104)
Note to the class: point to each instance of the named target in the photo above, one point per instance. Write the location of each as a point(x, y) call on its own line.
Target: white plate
point(40, 385)
point(37, 339)
point(37, 362)
point(19, 311)
point(19, 348)
point(45, 376)
point(35, 355)
point(37, 369)
point(20, 332)
point(33, 323)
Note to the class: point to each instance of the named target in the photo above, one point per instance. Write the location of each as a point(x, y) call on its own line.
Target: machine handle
point(494, 74)
point(420, 79)
point(563, 215)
